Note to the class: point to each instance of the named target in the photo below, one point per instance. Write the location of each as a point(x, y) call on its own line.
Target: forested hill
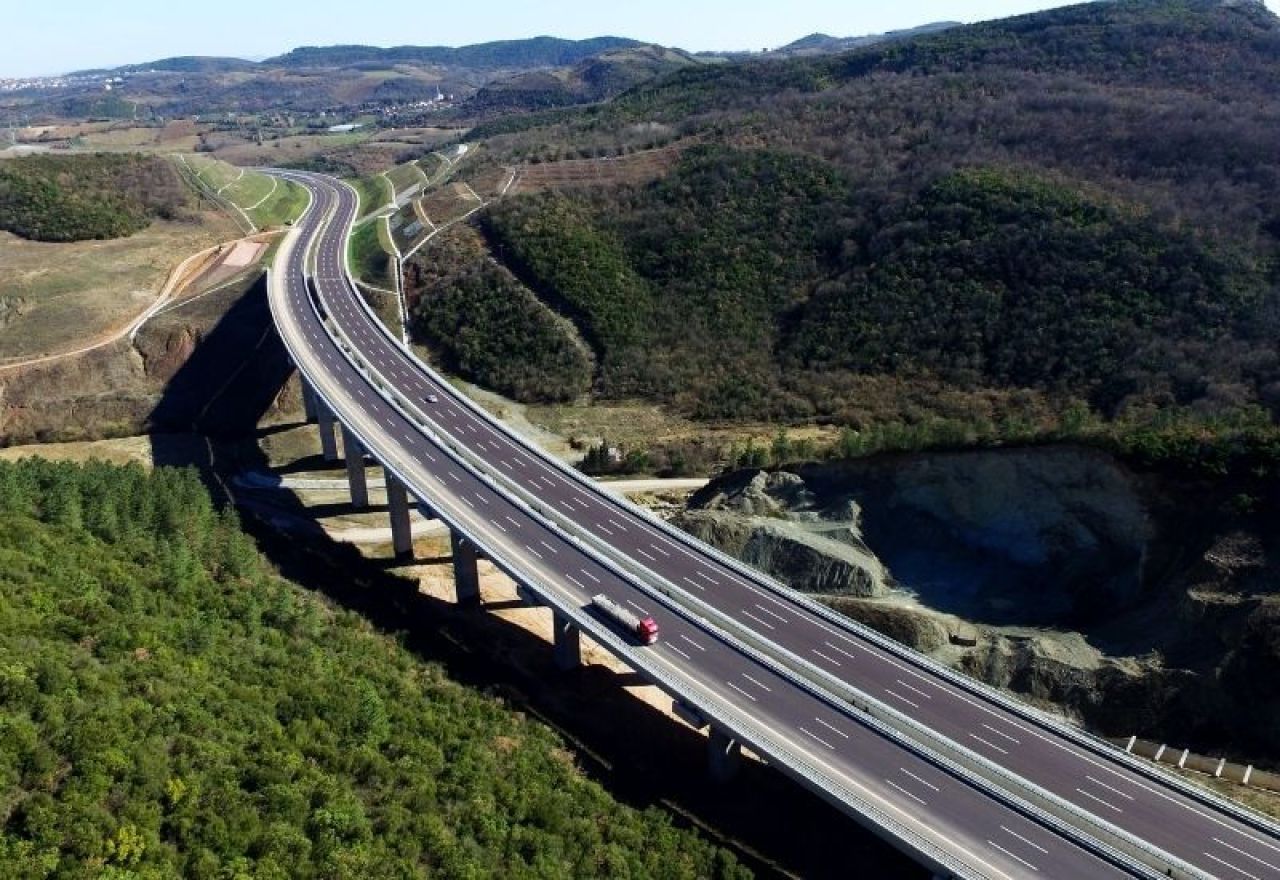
point(79, 197)
point(169, 707)
point(1000, 221)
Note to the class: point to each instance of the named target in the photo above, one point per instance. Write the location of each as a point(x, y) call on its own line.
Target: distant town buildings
point(45, 83)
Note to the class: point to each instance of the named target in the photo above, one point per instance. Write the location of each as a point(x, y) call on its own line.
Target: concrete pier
point(724, 755)
point(568, 643)
point(328, 439)
point(308, 400)
point(466, 577)
point(353, 453)
point(398, 509)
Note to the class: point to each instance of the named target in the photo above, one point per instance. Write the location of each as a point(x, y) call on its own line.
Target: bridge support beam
point(353, 452)
point(466, 576)
point(568, 643)
point(328, 440)
point(308, 399)
point(398, 509)
point(724, 755)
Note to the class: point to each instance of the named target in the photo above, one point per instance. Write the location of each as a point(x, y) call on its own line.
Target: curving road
point(948, 812)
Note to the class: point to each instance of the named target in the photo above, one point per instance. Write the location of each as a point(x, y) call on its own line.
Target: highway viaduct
point(964, 779)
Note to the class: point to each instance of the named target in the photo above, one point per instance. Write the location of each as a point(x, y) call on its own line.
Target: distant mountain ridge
point(534, 52)
point(595, 78)
point(180, 64)
point(821, 44)
point(540, 51)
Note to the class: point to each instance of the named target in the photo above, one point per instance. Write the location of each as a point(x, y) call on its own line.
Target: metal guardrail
point(868, 711)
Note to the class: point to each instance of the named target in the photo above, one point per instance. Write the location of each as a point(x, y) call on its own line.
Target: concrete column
point(466, 577)
point(308, 399)
point(328, 440)
point(568, 643)
point(724, 754)
point(398, 508)
point(353, 452)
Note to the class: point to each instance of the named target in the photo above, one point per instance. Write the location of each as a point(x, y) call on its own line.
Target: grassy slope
point(252, 191)
point(172, 708)
point(369, 261)
point(374, 193)
point(286, 203)
point(404, 176)
point(56, 297)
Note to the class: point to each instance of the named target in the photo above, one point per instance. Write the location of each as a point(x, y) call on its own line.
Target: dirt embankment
point(1137, 603)
point(184, 369)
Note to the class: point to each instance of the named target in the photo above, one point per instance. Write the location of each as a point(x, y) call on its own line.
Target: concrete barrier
point(1219, 768)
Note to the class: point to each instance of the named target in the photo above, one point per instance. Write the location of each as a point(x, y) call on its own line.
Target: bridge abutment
point(466, 576)
point(568, 643)
point(353, 453)
point(398, 510)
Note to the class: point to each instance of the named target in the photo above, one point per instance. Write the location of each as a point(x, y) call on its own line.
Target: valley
point(967, 333)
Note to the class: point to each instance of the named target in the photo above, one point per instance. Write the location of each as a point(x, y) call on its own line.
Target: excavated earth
point(1135, 603)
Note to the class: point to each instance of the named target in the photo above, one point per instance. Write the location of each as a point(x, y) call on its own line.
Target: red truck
point(643, 628)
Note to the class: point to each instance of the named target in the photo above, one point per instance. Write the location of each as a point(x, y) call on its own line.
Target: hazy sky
point(56, 36)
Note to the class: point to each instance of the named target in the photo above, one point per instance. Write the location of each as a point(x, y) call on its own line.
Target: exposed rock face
point(162, 358)
point(980, 534)
point(1136, 603)
point(773, 522)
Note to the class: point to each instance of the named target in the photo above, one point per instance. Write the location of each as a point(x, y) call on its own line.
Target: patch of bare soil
point(640, 167)
point(73, 294)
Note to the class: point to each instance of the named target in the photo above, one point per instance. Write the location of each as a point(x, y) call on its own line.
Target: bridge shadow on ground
point(209, 418)
point(221, 393)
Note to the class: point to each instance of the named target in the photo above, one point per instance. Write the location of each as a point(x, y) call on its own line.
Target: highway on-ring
point(973, 827)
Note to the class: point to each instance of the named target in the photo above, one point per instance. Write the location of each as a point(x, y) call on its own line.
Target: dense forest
point(172, 708)
point(74, 198)
point(1075, 207)
point(754, 283)
point(488, 327)
point(680, 285)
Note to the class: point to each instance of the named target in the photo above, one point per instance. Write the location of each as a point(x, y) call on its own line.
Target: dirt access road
point(231, 256)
